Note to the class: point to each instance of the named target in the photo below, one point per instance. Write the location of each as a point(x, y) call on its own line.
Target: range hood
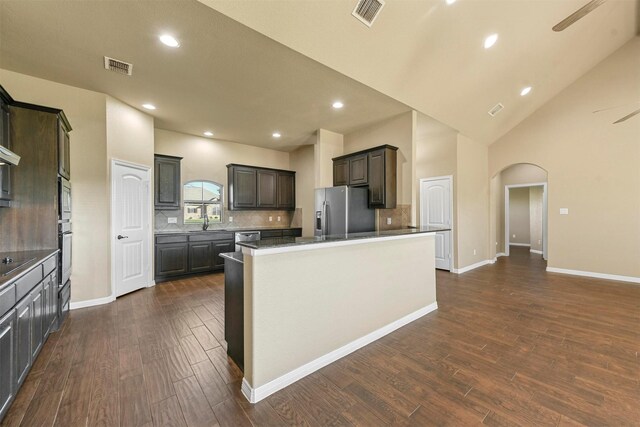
point(8, 157)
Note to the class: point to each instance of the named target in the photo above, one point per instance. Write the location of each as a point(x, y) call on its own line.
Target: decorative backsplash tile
point(400, 217)
point(241, 219)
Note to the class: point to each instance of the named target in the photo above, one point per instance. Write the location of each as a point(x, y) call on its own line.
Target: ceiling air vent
point(496, 109)
point(367, 11)
point(118, 66)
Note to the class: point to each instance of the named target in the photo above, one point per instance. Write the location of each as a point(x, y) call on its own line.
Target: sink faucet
point(205, 224)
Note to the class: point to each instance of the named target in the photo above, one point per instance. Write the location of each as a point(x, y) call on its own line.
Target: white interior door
point(131, 228)
point(435, 210)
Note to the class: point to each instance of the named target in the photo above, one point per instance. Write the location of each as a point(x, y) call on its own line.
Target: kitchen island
point(310, 301)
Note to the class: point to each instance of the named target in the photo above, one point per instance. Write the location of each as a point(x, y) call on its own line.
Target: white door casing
point(131, 221)
point(545, 214)
point(436, 210)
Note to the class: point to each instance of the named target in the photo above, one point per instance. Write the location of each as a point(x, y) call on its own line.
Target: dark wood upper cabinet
point(340, 172)
point(253, 188)
point(358, 170)
point(286, 190)
point(64, 148)
point(267, 191)
point(375, 168)
point(167, 182)
point(5, 141)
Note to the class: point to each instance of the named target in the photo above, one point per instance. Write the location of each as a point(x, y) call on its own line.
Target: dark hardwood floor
point(509, 345)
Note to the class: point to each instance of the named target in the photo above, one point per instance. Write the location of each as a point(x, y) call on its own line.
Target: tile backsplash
point(241, 219)
point(400, 217)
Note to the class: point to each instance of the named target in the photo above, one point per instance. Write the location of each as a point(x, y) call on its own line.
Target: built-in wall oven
point(65, 239)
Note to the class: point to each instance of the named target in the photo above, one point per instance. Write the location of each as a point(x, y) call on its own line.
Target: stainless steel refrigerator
point(342, 210)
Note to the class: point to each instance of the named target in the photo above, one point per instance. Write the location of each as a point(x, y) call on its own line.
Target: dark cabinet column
point(8, 385)
point(167, 187)
point(358, 170)
point(267, 189)
point(341, 172)
point(286, 190)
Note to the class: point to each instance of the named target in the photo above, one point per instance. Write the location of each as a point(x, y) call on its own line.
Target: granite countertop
point(228, 229)
point(35, 257)
point(234, 256)
point(300, 241)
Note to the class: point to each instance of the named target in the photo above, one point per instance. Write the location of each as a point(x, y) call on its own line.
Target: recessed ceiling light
point(337, 105)
point(169, 40)
point(525, 91)
point(208, 133)
point(276, 135)
point(450, 2)
point(490, 40)
point(149, 106)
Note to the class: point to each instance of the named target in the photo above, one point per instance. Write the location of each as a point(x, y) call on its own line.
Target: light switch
point(564, 211)
point(270, 218)
point(388, 221)
point(278, 219)
point(230, 219)
point(172, 220)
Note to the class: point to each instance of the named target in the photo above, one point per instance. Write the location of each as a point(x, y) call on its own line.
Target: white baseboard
point(152, 283)
point(473, 266)
point(527, 245)
point(91, 302)
point(630, 279)
point(499, 254)
point(534, 251)
point(255, 395)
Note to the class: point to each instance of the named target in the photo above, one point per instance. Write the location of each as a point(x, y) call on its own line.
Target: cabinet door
point(46, 306)
point(200, 257)
point(36, 321)
point(286, 190)
point(358, 170)
point(376, 178)
point(171, 259)
point(7, 361)
point(267, 189)
point(24, 312)
point(341, 172)
point(64, 158)
point(244, 188)
point(167, 182)
point(220, 248)
point(53, 302)
point(5, 141)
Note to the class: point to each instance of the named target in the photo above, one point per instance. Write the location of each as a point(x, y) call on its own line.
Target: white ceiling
point(225, 77)
point(429, 55)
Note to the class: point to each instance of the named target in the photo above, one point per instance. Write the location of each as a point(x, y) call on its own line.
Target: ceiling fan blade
point(616, 107)
point(578, 14)
point(627, 117)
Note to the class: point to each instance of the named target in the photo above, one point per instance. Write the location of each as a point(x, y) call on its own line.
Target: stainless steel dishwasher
point(246, 236)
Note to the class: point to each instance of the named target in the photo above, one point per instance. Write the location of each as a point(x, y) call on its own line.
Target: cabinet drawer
point(210, 236)
point(50, 264)
point(293, 232)
point(181, 238)
point(270, 234)
point(7, 299)
point(28, 282)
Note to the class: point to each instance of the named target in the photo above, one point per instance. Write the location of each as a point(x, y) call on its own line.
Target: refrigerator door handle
point(325, 214)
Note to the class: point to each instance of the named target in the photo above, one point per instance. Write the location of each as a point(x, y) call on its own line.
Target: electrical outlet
point(564, 211)
point(230, 219)
point(172, 220)
point(388, 221)
point(514, 236)
point(474, 252)
point(270, 218)
point(539, 242)
point(278, 219)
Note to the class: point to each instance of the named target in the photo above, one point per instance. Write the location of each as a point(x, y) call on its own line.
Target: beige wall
point(535, 217)
point(592, 166)
point(398, 131)
point(130, 133)
point(302, 161)
point(86, 111)
point(327, 146)
point(289, 322)
point(472, 189)
point(519, 222)
point(207, 158)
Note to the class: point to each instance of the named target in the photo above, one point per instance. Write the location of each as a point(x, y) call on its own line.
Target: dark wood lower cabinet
point(234, 310)
point(24, 314)
point(172, 259)
point(220, 248)
point(37, 335)
point(200, 257)
point(8, 385)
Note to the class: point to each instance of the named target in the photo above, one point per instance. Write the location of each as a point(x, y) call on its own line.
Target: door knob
point(120, 237)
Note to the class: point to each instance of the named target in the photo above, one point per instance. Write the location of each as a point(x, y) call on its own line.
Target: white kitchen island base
point(308, 305)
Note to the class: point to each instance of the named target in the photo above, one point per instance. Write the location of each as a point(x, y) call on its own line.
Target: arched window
point(202, 198)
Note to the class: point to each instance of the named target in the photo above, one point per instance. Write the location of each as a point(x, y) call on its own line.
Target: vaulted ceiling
point(430, 55)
